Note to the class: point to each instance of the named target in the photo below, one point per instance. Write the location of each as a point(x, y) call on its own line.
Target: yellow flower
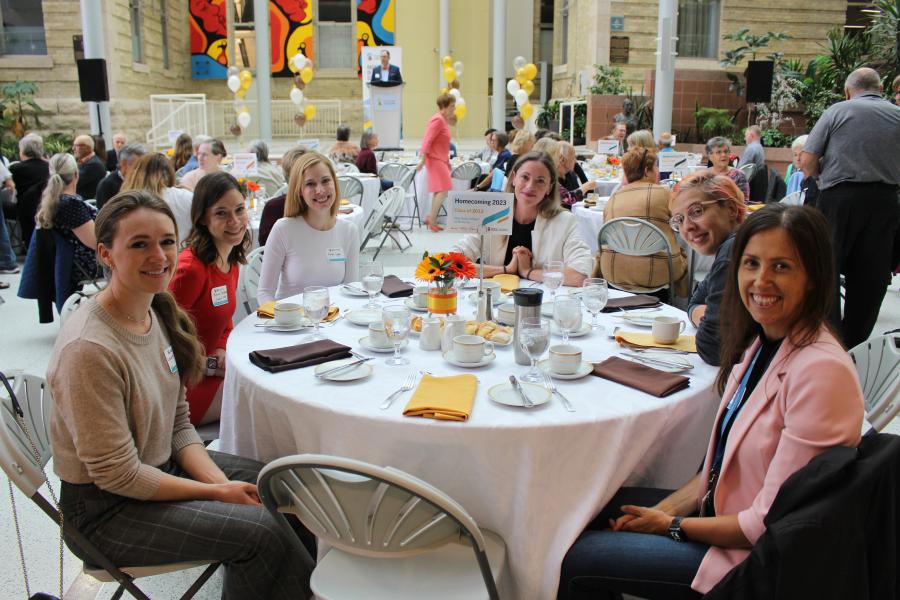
point(426, 271)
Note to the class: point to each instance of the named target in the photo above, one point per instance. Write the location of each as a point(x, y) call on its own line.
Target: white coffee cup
point(565, 359)
point(471, 348)
point(506, 314)
point(377, 336)
point(420, 296)
point(667, 329)
point(495, 289)
point(288, 313)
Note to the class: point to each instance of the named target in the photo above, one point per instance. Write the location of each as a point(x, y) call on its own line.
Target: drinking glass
point(553, 276)
point(372, 274)
point(534, 338)
point(315, 305)
point(396, 320)
point(567, 314)
point(594, 294)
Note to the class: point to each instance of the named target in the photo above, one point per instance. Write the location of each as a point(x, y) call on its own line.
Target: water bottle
point(528, 304)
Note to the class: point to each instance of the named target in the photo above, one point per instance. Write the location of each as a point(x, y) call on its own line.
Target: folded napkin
point(445, 398)
point(267, 311)
point(638, 301)
point(276, 360)
point(508, 282)
point(646, 379)
point(754, 207)
point(687, 343)
point(344, 202)
point(394, 287)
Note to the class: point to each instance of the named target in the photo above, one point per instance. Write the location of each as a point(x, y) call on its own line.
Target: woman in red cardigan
point(205, 282)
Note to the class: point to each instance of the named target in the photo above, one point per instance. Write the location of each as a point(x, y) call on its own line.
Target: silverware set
point(360, 359)
point(548, 383)
point(408, 384)
point(659, 360)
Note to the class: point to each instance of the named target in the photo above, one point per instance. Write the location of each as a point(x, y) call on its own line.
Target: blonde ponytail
point(63, 169)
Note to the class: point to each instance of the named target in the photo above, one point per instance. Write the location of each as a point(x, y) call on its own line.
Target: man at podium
point(386, 74)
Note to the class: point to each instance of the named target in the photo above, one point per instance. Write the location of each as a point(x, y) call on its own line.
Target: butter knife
point(526, 402)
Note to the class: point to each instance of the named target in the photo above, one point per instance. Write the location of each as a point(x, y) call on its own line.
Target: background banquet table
point(589, 223)
point(357, 216)
point(536, 477)
point(371, 190)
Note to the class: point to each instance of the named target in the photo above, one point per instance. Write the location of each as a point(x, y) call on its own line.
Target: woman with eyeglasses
point(718, 151)
point(706, 211)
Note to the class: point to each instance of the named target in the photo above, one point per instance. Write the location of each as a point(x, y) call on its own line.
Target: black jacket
point(90, 173)
point(108, 188)
point(833, 531)
point(30, 177)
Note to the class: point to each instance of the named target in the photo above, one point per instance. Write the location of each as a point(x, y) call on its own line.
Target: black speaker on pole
point(92, 80)
point(759, 80)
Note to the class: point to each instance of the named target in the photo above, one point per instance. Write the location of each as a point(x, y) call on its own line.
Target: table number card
point(244, 164)
point(669, 161)
point(610, 147)
point(480, 212)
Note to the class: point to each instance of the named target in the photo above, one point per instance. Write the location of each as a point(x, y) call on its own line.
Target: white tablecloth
point(589, 223)
point(536, 477)
point(605, 186)
point(357, 216)
point(371, 191)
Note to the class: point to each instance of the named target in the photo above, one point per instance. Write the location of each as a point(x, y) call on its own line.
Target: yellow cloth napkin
point(508, 282)
point(344, 202)
point(754, 207)
point(445, 398)
point(688, 343)
point(267, 311)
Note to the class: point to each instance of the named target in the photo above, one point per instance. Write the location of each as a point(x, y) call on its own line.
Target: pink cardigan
point(807, 401)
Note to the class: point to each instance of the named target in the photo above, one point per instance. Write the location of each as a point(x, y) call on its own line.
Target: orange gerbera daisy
point(253, 186)
point(460, 265)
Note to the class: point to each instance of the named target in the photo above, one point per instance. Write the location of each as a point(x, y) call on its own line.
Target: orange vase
point(442, 301)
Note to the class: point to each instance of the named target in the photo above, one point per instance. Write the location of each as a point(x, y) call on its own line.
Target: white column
point(664, 86)
point(443, 40)
point(498, 66)
point(263, 69)
point(92, 20)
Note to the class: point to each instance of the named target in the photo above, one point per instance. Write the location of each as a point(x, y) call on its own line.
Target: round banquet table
point(357, 216)
point(589, 223)
point(371, 190)
point(605, 186)
point(536, 477)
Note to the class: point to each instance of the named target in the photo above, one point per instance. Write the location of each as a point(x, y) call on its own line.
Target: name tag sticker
point(336, 255)
point(170, 359)
point(219, 295)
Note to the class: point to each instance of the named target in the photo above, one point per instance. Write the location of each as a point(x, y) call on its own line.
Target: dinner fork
point(407, 385)
point(548, 383)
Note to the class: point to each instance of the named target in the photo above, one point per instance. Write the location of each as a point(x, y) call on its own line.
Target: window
point(335, 48)
point(23, 27)
point(698, 28)
point(244, 34)
point(164, 31)
point(137, 46)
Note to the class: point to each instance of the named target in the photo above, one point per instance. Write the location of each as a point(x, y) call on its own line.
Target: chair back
point(344, 167)
point(33, 396)
point(71, 305)
point(498, 181)
point(636, 237)
point(350, 187)
point(401, 175)
point(248, 281)
point(466, 171)
point(877, 363)
point(395, 199)
point(749, 170)
point(368, 510)
point(793, 199)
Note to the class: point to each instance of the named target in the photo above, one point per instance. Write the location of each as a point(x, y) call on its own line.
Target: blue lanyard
point(731, 411)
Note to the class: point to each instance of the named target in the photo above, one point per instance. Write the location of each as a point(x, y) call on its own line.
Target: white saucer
point(495, 300)
point(585, 368)
point(503, 393)
point(365, 343)
point(448, 356)
point(352, 374)
point(352, 291)
point(411, 305)
point(364, 316)
point(583, 330)
point(271, 325)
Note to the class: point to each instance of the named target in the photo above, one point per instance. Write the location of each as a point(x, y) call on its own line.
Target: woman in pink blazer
point(789, 392)
point(435, 155)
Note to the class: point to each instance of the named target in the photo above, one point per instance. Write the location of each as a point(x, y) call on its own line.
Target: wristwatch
point(675, 530)
point(212, 365)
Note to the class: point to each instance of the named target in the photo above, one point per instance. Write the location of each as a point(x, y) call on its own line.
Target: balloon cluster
point(302, 68)
point(239, 81)
point(452, 73)
point(522, 85)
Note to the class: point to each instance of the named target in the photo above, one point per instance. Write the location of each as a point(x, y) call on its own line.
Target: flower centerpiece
point(614, 162)
point(442, 270)
point(250, 188)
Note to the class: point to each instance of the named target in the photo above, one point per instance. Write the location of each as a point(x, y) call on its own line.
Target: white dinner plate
point(488, 359)
point(351, 374)
point(503, 393)
point(495, 300)
point(355, 290)
point(411, 305)
point(670, 363)
point(366, 343)
point(585, 368)
point(364, 316)
point(271, 325)
point(583, 330)
point(639, 320)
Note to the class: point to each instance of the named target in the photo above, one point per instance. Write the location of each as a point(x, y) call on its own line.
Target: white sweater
point(179, 200)
point(297, 256)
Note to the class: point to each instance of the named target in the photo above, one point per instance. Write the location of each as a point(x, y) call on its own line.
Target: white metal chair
point(403, 176)
point(350, 188)
point(29, 396)
point(248, 281)
point(793, 199)
point(636, 237)
point(877, 363)
point(467, 171)
point(392, 535)
point(749, 170)
point(383, 220)
point(71, 305)
point(342, 168)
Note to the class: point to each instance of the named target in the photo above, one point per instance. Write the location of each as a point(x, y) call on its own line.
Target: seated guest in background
point(665, 143)
point(706, 210)
point(645, 199)
point(268, 175)
point(128, 155)
point(618, 132)
point(29, 175)
point(566, 168)
point(183, 151)
point(91, 170)
point(274, 208)
point(192, 162)
point(541, 232)
point(205, 282)
point(344, 150)
point(789, 393)
point(112, 155)
point(548, 146)
point(522, 144)
point(754, 154)
point(135, 478)
point(209, 158)
point(366, 161)
point(154, 174)
point(488, 154)
point(100, 148)
point(499, 141)
point(540, 132)
point(642, 138)
point(310, 246)
point(718, 150)
point(797, 180)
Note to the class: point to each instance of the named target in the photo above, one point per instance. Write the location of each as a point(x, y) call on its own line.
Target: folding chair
point(392, 535)
point(342, 168)
point(403, 176)
point(29, 398)
point(467, 171)
point(383, 219)
point(877, 363)
point(248, 281)
point(636, 237)
point(749, 170)
point(350, 188)
point(793, 199)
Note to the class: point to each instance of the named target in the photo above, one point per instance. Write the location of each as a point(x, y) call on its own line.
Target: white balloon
point(296, 96)
point(521, 97)
point(460, 101)
point(519, 62)
point(234, 83)
point(458, 67)
point(243, 119)
point(512, 86)
point(455, 93)
point(299, 61)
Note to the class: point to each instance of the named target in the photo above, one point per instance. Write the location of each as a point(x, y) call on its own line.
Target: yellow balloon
point(460, 111)
point(447, 61)
point(444, 90)
point(520, 76)
point(449, 74)
point(528, 86)
point(310, 111)
point(530, 71)
point(246, 79)
point(367, 125)
point(240, 93)
point(306, 74)
point(526, 110)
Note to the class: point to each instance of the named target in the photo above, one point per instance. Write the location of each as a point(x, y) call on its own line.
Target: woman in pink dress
point(435, 154)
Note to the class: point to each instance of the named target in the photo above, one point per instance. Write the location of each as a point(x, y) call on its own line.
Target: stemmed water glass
point(553, 276)
point(315, 305)
point(534, 337)
point(396, 319)
point(567, 314)
point(594, 294)
point(372, 274)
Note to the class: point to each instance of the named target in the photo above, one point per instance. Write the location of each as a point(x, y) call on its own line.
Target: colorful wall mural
point(291, 31)
point(207, 21)
point(374, 26)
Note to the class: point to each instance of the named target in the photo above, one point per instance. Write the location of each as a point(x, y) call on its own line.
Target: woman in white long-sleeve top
point(309, 246)
point(541, 232)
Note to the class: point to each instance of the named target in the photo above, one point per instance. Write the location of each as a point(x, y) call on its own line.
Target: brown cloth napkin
point(639, 301)
point(301, 355)
point(394, 287)
point(647, 379)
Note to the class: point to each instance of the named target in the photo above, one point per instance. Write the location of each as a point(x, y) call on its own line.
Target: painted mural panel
point(207, 21)
point(291, 28)
point(374, 26)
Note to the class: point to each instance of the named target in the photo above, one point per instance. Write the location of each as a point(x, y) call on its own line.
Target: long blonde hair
point(294, 204)
point(153, 173)
point(63, 170)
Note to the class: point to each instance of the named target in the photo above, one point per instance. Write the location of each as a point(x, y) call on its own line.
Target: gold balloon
point(528, 86)
point(310, 111)
point(449, 74)
point(526, 110)
point(520, 76)
point(530, 71)
point(447, 61)
point(240, 93)
point(246, 79)
point(460, 111)
point(306, 74)
point(444, 90)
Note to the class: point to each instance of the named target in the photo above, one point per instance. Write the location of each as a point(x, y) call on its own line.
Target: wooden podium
point(387, 103)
